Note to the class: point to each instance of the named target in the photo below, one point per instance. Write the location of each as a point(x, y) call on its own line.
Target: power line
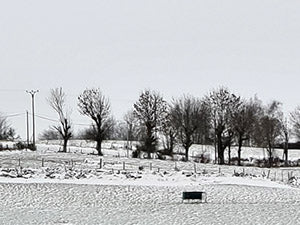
point(46, 118)
point(13, 115)
point(55, 120)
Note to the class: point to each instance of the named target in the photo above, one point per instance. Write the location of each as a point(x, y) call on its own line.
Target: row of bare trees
point(220, 118)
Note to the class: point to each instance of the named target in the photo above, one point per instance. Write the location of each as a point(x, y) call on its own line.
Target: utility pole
point(27, 123)
point(32, 93)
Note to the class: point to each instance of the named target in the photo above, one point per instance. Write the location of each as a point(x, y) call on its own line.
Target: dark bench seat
point(194, 195)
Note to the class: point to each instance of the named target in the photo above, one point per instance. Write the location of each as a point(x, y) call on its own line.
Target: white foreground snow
point(70, 188)
point(113, 204)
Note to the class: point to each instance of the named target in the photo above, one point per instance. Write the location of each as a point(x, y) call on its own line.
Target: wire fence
point(117, 165)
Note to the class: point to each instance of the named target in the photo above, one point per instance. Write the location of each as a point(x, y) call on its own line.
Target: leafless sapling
point(57, 100)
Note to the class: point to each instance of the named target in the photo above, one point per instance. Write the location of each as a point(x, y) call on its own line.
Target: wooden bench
point(194, 195)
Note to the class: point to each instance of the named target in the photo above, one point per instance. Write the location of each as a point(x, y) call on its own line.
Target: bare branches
point(223, 105)
point(187, 115)
point(57, 102)
point(95, 105)
point(295, 119)
point(150, 110)
point(268, 128)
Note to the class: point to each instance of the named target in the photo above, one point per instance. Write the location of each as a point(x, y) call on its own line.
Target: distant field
point(195, 150)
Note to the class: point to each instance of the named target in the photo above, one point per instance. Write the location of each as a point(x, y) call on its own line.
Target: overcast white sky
point(174, 47)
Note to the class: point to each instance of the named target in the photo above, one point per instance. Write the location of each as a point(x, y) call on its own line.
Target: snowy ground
point(113, 204)
point(47, 187)
point(248, 153)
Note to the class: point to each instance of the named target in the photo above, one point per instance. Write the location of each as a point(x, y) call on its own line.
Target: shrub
point(202, 158)
point(136, 153)
point(20, 145)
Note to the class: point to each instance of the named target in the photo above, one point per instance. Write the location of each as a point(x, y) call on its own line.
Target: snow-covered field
point(117, 147)
point(47, 187)
point(115, 204)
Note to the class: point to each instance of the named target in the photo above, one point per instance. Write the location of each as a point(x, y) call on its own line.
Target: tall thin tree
point(243, 122)
point(57, 101)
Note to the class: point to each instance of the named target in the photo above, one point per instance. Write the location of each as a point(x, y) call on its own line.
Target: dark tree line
point(221, 118)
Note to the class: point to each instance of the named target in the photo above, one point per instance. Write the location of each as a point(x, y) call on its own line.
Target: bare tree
point(187, 115)
point(287, 131)
point(295, 119)
point(131, 124)
point(285, 134)
point(243, 122)
point(6, 131)
point(91, 132)
point(57, 100)
point(50, 134)
point(119, 131)
point(268, 129)
point(222, 105)
point(169, 132)
point(150, 110)
point(95, 105)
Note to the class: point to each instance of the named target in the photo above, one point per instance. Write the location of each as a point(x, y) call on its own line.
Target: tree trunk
point(186, 153)
point(98, 147)
point(229, 154)
point(171, 145)
point(65, 145)
point(286, 148)
point(270, 156)
point(149, 144)
point(240, 150)
point(286, 162)
point(220, 149)
point(215, 145)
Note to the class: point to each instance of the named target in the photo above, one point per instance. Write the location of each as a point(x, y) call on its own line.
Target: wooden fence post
point(100, 163)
